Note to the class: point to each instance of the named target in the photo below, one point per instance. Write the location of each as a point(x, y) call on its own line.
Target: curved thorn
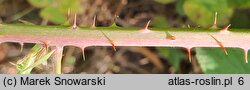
point(74, 26)
point(147, 25)
point(113, 45)
point(220, 44)
point(45, 44)
point(83, 54)
point(246, 55)
point(94, 22)
point(225, 30)
point(169, 36)
point(110, 41)
point(146, 30)
point(215, 21)
point(21, 46)
point(215, 18)
point(189, 54)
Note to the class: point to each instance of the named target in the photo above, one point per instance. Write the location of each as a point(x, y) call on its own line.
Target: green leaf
point(174, 55)
point(53, 14)
point(36, 56)
point(40, 3)
point(240, 20)
point(202, 11)
point(40, 60)
point(214, 61)
point(160, 21)
point(179, 7)
point(73, 5)
point(241, 4)
point(56, 10)
point(35, 48)
point(165, 1)
point(27, 61)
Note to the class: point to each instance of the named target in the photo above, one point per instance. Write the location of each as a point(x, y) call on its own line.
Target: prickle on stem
point(220, 44)
point(83, 54)
point(110, 41)
point(113, 44)
point(146, 30)
point(215, 21)
point(189, 54)
point(245, 55)
point(45, 45)
point(225, 30)
point(74, 26)
point(21, 46)
point(94, 22)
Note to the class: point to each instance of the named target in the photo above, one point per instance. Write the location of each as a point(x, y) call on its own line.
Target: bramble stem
point(84, 37)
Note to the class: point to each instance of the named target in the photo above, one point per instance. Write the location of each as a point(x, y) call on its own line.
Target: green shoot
point(36, 57)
